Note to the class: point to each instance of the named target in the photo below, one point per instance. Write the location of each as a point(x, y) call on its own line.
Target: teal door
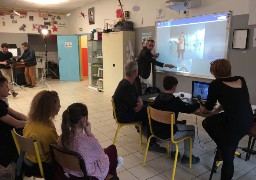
point(69, 63)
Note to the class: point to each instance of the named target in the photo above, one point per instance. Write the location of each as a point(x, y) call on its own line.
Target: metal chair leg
point(251, 148)
point(248, 149)
point(213, 170)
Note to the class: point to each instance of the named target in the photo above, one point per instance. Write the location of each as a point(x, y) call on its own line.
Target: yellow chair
point(167, 118)
point(29, 146)
point(139, 124)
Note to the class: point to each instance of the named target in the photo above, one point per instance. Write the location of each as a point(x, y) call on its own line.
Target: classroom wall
point(147, 15)
point(7, 24)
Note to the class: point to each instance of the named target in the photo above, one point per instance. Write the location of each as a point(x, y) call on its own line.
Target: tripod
point(45, 69)
point(13, 83)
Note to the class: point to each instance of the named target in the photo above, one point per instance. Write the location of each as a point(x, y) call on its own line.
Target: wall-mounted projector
point(182, 5)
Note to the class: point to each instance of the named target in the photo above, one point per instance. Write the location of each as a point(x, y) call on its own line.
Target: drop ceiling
point(63, 7)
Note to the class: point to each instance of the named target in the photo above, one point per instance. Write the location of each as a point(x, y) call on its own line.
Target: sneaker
point(157, 148)
point(120, 162)
point(173, 155)
point(185, 159)
point(14, 94)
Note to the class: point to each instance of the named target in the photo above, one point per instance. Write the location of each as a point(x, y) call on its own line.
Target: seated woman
point(227, 128)
point(77, 136)
point(44, 107)
point(9, 119)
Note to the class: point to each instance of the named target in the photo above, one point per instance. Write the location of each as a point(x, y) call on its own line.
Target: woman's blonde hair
point(221, 68)
point(43, 106)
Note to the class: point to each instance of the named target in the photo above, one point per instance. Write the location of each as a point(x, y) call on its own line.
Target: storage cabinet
point(114, 49)
point(95, 65)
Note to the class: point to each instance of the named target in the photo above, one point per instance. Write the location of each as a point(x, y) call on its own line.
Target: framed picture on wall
point(240, 37)
point(91, 15)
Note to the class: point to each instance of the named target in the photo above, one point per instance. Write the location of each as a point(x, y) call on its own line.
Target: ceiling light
point(44, 32)
point(68, 14)
point(46, 1)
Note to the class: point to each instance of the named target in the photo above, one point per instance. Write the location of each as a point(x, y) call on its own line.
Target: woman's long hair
point(43, 107)
point(71, 118)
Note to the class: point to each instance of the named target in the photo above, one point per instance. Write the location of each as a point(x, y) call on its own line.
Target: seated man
point(9, 119)
point(129, 106)
point(166, 101)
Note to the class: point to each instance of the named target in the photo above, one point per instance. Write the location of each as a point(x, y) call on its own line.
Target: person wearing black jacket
point(5, 68)
point(232, 119)
point(145, 59)
point(166, 101)
point(29, 59)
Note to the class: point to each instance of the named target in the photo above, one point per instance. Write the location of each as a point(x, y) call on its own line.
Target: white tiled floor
point(158, 166)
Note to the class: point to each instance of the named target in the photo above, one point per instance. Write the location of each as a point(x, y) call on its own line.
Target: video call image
point(201, 90)
point(191, 44)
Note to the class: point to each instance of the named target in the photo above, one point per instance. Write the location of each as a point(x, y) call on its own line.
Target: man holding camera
point(5, 67)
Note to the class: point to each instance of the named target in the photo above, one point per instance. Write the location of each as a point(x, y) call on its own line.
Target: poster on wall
point(91, 15)
point(68, 44)
point(31, 18)
point(145, 37)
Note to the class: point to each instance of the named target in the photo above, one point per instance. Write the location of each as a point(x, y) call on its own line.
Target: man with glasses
point(145, 59)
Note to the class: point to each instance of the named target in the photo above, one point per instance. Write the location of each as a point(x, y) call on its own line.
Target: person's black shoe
point(173, 155)
point(185, 159)
point(14, 94)
point(183, 122)
point(157, 148)
point(27, 85)
point(31, 86)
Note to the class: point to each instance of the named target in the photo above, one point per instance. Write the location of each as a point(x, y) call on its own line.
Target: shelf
point(97, 65)
point(99, 57)
point(100, 79)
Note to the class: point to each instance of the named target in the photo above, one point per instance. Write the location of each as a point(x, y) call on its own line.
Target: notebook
point(200, 89)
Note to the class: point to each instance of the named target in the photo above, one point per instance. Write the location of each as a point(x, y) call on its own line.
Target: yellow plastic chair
point(139, 124)
point(167, 118)
point(29, 146)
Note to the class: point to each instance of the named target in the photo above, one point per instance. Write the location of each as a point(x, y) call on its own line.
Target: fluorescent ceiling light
point(68, 14)
point(46, 1)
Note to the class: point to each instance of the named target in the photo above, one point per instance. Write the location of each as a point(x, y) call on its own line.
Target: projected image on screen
point(191, 44)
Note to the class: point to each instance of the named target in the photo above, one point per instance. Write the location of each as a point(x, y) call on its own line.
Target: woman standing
point(227, 128)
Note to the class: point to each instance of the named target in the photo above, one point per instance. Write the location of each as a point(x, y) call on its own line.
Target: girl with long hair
point(44, 107)
point(77, 136)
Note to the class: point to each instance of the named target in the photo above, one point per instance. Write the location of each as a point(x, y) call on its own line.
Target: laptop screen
point(201, 89)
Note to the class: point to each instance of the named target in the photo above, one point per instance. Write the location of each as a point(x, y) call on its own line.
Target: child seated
point(44, 107)
point(77, 136)
point(166, 101)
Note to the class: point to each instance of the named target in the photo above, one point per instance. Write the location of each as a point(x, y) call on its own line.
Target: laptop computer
point(200, 89)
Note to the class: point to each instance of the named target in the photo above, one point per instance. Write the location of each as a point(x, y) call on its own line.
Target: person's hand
point(169, 66)
point(22, 60)
point(155, 55)
point(139, 106)
point(203, 110)
point(87, 127)
point(4, 62)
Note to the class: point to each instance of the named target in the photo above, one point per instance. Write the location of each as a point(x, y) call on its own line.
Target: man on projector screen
point(145, 59)
point(5, 67)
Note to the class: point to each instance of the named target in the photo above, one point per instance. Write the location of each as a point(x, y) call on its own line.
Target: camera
point(11, 61)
